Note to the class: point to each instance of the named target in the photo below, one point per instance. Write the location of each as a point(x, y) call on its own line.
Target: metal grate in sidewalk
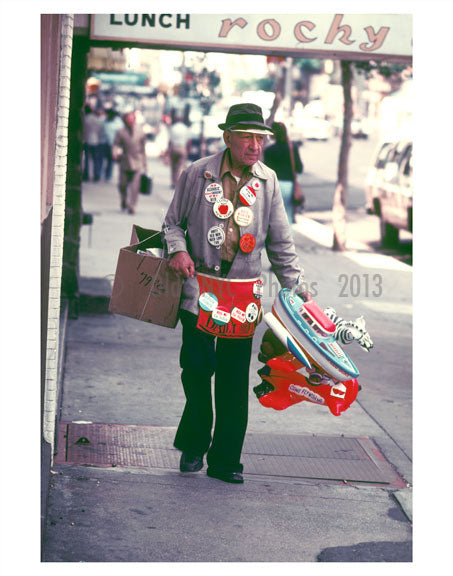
point(295, 456)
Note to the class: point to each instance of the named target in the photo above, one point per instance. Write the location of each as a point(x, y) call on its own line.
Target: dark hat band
point(236, 118)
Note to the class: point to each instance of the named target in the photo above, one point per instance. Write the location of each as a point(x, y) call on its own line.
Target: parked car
point(314, 128)
point(393, 203)
point(376, 173)
point(360, 128)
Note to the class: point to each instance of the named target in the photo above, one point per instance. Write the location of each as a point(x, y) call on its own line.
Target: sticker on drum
point(208, 301)
point(258, 289)
point(221, 316)
point(251, 312)
point(238, 315)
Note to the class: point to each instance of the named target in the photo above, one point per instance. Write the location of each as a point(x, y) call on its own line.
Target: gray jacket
point(190, 216)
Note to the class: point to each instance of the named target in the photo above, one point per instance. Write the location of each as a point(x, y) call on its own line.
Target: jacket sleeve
point(175, 223)
point(280, 247)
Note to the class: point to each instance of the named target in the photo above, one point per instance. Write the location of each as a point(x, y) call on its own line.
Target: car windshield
point(383, 155)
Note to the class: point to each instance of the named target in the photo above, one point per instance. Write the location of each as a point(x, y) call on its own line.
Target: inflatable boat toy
point(303, 357)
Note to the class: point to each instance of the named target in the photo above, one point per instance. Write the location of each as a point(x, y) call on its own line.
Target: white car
point(375, 174)
point(394, 196)
point(310, 128)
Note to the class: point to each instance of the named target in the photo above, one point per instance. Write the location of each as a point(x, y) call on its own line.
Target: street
point(121, 378)
point(369, 283)
point(319, 180)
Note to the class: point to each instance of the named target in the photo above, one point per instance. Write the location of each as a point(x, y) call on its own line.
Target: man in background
point(129, 151)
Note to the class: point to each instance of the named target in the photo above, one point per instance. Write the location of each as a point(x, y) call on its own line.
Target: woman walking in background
point(278, 157)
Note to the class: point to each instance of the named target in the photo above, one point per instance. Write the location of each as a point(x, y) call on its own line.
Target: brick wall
point(57, 231)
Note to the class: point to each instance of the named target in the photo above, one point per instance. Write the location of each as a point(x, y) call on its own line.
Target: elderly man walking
point(225, 211)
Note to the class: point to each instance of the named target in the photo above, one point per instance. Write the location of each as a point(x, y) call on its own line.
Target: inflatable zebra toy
point(303, 356)
point(348, 331)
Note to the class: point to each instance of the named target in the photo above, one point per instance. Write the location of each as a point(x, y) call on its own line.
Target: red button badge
point(247, 243)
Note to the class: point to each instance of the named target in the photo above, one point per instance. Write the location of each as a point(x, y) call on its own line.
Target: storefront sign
point(361, 36)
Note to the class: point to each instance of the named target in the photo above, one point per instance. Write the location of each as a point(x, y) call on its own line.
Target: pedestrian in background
point(278, 157)
point(92, 138)
point(111, 126)
point(226, 209)
point(178, 148)
point(129, 149)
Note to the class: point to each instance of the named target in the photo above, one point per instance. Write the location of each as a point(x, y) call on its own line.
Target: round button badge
point(247, 243)
point(216, 236)
point(208, 301)
point(247, 195)
point(243, 216)
point(223, 208)
point(213, 192)
point(251, 312)
point(255, 184)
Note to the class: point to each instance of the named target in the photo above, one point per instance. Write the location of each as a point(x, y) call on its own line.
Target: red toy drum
point(229, 308)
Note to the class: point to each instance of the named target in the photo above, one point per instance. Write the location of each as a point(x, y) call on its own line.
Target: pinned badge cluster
point(224, 209)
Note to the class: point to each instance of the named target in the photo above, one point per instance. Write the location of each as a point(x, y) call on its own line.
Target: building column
point(57, 231)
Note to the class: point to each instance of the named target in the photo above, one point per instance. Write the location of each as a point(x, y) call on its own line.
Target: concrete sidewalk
point(119, 371)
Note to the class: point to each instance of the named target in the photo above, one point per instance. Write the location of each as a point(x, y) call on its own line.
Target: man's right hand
point(182, 264)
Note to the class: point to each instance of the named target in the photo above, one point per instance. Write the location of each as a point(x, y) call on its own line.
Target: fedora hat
point(245, 118)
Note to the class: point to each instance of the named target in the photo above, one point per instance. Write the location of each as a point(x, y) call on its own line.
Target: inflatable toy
point(303, 357)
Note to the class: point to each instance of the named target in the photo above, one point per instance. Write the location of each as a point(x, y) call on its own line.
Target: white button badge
point(216, 236)
point(243, 216)
point(208, 301)
point(223, 208)
point(213, 192)
point(251, 312)
point(247, 195)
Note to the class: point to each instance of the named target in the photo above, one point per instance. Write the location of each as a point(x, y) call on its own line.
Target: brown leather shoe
point(190, 463)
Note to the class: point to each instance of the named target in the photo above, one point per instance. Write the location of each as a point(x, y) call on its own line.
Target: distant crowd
point(99, 130)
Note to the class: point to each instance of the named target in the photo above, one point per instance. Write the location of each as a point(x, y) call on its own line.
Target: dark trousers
point(92, 154)
point(108, 161)
point(229, 359)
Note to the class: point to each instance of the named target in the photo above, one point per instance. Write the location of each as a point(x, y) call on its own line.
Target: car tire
point(389, 234)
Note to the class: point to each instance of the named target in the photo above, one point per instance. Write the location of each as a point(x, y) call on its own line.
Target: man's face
point(245, 147)
point(130, 119)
